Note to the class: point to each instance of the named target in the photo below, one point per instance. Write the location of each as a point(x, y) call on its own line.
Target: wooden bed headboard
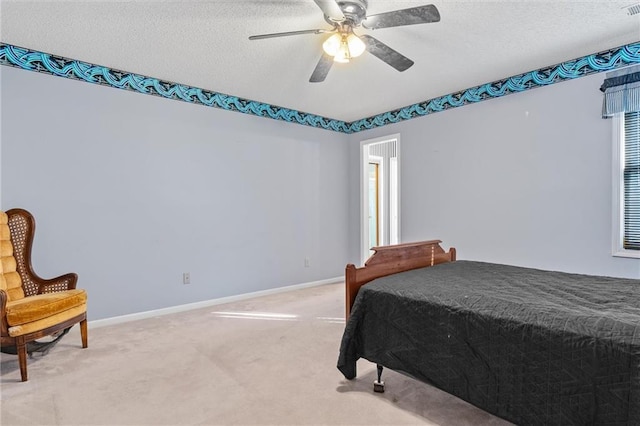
point(387, 260)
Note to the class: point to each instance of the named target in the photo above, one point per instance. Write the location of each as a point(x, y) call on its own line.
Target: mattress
point(530, 346)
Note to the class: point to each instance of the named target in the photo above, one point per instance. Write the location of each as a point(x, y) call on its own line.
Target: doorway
point(379, 193)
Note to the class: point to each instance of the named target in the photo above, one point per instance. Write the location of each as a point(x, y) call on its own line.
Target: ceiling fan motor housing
point(354, 11)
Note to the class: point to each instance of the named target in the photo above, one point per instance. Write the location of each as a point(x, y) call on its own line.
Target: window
point(627, 185)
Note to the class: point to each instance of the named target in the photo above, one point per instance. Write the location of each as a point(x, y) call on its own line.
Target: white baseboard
point(205, 303)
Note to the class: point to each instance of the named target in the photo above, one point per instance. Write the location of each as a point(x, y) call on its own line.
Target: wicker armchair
point(32, 307)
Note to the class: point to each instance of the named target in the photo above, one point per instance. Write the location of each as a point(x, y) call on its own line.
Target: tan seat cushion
point(79, 313)
point(41, 306)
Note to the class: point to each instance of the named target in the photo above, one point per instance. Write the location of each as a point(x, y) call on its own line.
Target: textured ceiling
point(205, 44)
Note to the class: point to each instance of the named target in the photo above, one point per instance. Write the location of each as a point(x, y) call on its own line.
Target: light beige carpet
point(265, 361)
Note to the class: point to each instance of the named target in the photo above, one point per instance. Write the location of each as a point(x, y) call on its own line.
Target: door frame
point(364, 193)
point(380, 179)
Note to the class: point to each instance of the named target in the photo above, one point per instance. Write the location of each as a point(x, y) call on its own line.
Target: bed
point(530, 346)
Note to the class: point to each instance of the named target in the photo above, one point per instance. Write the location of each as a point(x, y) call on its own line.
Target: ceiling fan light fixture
point(356, 46)
point(343, 47)
point(332, 44)
point(343, 55)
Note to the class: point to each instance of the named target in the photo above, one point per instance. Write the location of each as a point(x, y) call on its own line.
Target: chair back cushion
point(10, 280)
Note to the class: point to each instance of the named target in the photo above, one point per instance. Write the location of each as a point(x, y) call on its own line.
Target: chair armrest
point(61, 283)
point(4, 327)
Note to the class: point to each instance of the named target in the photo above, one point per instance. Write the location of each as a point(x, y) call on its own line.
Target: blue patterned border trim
point(69, 68)
point(598, 62)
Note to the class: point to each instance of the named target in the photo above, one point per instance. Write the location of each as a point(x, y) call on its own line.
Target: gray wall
point(525, 179)
point(130, 191)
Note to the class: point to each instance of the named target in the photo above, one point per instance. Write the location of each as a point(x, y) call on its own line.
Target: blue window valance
point(621, 92)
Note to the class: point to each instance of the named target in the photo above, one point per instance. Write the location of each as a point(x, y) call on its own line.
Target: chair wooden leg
point(21, 347)
point(83, 333)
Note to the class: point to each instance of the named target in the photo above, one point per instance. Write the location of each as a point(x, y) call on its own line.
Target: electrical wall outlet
point(307, 262)
point(186, 278)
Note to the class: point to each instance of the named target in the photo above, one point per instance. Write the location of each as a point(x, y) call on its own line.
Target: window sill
point(633, 254)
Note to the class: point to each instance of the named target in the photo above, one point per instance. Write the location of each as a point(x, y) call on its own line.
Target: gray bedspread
point(531, 346)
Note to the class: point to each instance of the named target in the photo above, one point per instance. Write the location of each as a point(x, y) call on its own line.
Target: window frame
point(618, 189)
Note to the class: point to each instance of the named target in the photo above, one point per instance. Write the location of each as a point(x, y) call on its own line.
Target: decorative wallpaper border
point(33, 60)
point(70, 68)
point(598, 62)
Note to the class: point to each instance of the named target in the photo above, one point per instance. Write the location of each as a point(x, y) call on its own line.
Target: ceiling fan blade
point(330, 9)
point(288, 33)
point(386, 54)
point(322, 69)
point(398, 18)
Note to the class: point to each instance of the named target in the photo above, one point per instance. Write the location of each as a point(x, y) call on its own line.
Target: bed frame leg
point(378, 385)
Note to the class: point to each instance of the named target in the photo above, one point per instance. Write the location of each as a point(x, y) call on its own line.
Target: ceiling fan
point(346, 15)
